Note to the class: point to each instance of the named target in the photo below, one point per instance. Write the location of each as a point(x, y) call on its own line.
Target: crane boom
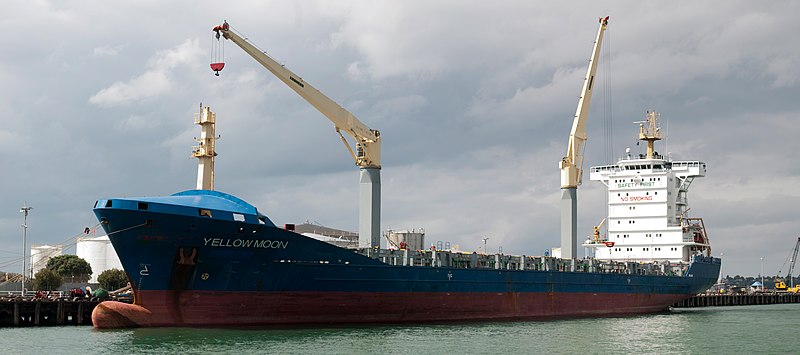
point(368, 144)
point(571, 164)
point(367, 154)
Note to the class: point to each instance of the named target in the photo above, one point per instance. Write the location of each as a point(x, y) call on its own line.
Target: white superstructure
point(648, 206)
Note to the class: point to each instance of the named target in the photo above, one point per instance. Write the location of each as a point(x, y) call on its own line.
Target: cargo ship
point(203, 258)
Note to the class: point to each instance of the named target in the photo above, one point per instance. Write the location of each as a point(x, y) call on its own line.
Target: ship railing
point(465, 260)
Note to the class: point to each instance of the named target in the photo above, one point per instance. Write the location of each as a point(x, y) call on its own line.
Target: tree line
point(76, 269)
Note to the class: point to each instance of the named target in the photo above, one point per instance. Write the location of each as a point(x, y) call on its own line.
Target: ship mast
point(650, 132)
point(205, 152)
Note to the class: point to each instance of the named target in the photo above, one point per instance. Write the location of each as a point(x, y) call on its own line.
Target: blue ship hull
point(204, 258)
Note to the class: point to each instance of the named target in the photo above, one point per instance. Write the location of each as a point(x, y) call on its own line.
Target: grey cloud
point(473, 101)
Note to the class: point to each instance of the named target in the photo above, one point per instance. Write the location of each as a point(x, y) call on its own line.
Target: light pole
point(762, 274)
point(484, 245)
point(25, 209)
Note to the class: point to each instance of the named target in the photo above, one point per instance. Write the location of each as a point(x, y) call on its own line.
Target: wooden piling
point(16, 314)
point(60, 312)
point(45, 312)
point(716, 300)
point(80, 313)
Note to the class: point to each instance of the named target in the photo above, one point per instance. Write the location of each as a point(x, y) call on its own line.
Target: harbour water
point(711, 330)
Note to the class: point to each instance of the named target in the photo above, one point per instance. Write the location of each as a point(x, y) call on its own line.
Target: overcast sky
point(474, 101)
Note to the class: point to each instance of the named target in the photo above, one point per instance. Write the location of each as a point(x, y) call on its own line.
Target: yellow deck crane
point(572, 164)
point(596, 231)
point(780, 284)
point(367, 154)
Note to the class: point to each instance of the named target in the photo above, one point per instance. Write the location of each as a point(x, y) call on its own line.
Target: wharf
point(715, 300)
point(44, 312)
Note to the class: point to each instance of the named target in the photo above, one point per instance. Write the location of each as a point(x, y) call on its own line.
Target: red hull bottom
point(210, 309)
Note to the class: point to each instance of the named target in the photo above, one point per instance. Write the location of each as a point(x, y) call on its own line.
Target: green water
point(713, 330)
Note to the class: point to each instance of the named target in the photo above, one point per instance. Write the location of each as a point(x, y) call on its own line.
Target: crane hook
point(217, 67)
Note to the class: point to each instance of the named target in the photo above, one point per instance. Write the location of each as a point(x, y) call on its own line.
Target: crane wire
point(608, 122)
point(792, 256)
point(67, 243)
point(217, 49)
point(248, 40)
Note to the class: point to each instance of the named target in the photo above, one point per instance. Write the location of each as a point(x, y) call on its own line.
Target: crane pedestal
point(569, 222)
point(369, 221)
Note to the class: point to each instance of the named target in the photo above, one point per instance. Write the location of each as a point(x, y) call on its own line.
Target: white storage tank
point(99, 253)
point(40, 254)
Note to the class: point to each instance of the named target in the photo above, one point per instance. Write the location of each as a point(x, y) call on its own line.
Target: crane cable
point(217, 48)
point(790, 259)
point(65, 244)
point(217, 53)
point(608, 122)
point(608, 84)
